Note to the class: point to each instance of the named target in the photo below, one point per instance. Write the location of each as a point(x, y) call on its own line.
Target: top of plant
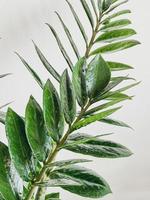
point(89, 84)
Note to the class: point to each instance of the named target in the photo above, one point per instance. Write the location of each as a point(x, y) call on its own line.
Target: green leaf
point(115, 6)
point(52, 111)
point(61, 47)
point(35, 129)
point(115, 66)
point(99, 148)
point(90, 184)
point(106, 4)
point(116, 95)
point(115, 25)
point(5, 185)
point(78, 23)
point(88, 12)
point(94, 118)
point(52, 196)
point(68, 34)
point(105, 105)
point(115, 122)
point(46, 64)
point(19, 148)
point(2, 117)
point(68, 100)
point(33, 73)
point(117, 46)
point(65, 163)
point(117, 14)
point(98, 76)
point(79, 81)
point(99, 4)
point(94, 7)
point(127, 87)
point(114, 35)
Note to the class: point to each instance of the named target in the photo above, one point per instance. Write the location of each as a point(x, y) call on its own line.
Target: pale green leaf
point(115, 66)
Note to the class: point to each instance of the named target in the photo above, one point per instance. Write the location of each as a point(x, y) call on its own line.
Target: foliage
point(89, 84)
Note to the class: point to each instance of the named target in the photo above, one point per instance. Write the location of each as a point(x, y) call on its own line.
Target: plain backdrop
point(22, 21)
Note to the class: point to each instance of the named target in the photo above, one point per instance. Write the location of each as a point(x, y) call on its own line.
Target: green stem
point(42, 175)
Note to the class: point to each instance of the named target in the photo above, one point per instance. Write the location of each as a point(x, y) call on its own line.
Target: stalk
point(42, 175)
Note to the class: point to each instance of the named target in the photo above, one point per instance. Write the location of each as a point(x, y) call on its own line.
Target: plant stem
point(42, 175)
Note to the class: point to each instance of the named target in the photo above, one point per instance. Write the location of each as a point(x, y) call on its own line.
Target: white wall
point(21, 21)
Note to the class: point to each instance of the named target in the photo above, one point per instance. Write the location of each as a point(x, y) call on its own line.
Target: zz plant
point(87, 94)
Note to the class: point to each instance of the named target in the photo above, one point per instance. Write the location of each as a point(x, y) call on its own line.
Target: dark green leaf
point(68, 100)
point(88, 12)
point(94, 118)
point(99, 148)
point(115, 122)
point(78, 22)
point(46, 64)
point(117, 46)
point(35, 129)
point(117, 14)
point(52, 111)
point(98, 76)
point(61, 47)
point(90, 184)
point(115, 25)
point(106, 4)
point(114, 35)
point(115, 66)
point(5, 185)
point(34, 74)
point(69, 36)
point(18, 145)
point(79, 81)
point(115, 6)
point(52, 196)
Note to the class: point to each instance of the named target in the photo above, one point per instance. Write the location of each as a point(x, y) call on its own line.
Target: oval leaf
point(79, 81)
point(111, 36)
point(19, 148)
point(68, 101)
point(99, 148)
point(52, 111)
point(98, 76)
point(35, 129)
point(90, 184)
point(5, 185)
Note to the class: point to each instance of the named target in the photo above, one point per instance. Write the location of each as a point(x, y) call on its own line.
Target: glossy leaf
point(68, 34)
point(115, 25)
point(114, 35)
point(97, 76)
point(117, 46)
point(88, 12)
point(117, 14)
point(115, 122)
point(90, 184)
point(78, 22)
point(5, 185)
point(18, 145)
point(65, 163)
point(61, 47)
point(115, 66)
point(79, 81)
point(94, 118)
point(52, 111)
point(68, 100)
point(33, 73)
point(46, 64)
point(99, 148)
point(35, 129)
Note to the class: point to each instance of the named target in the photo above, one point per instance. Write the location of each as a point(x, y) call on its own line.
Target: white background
point(20, 22)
